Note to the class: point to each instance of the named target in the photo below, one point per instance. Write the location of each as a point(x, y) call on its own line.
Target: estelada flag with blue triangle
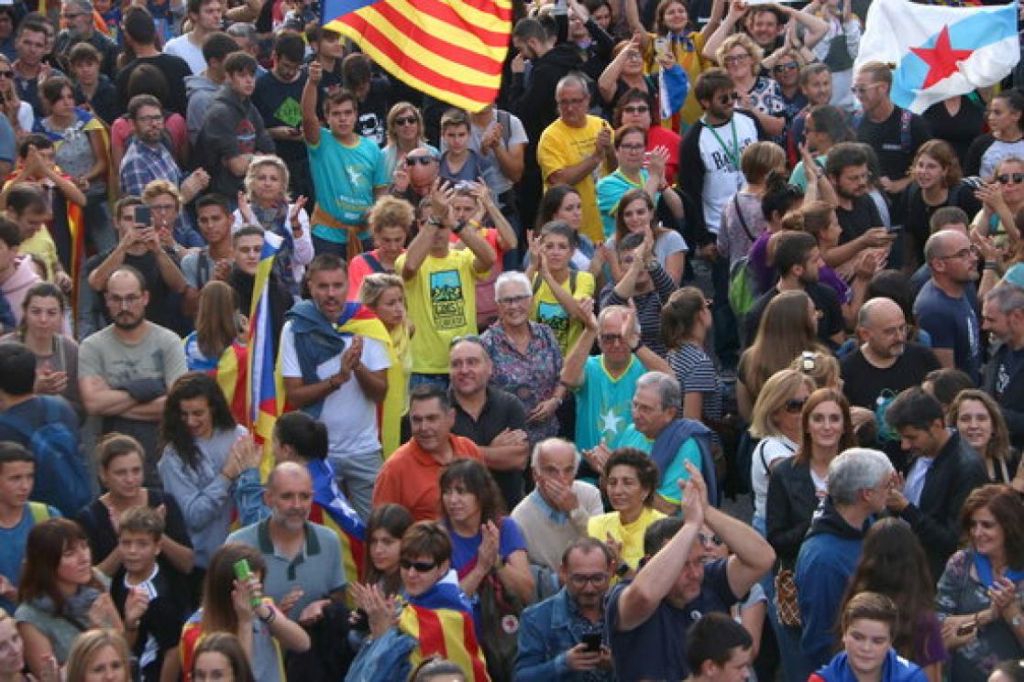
point(940, 52)
point(452, 50)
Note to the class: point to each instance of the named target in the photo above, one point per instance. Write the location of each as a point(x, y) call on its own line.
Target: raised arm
point(310, 122)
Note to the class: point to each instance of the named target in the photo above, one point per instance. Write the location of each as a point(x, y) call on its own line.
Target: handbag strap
point(739, 214)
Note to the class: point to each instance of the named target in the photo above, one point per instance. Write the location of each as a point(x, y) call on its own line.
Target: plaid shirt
point(142, 164)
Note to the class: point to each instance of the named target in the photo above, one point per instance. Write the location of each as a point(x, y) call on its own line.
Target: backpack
point(742, 285)
point(60, 472)
point(39, 511)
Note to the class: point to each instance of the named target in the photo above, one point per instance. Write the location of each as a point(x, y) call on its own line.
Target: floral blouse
point(960, 593)
point(531, 376)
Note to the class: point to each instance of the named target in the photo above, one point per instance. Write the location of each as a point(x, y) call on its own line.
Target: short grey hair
point(539, 448)
point(669, 391)
point(573, 78)
point(1007, 297)
point(511, 277)
point(855, 470)
point(242, 29)
point(621, 309)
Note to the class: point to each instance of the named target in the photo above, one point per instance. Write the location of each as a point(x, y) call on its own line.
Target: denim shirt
point(546, 632)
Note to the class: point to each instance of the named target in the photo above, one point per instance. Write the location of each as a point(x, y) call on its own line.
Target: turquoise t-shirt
point(610, 189)
point(604, 406)
point(345, 178)
point(689, 451)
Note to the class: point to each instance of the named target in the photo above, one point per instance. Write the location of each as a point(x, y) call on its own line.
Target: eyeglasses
point(633, 55)
point(123, 301)
point(788, 66)
point(635, 147)
point(581, 579)
point(6, 74)
point(736, 59)
point(515, 300)
point(609, 339)
point(1005, 178)
point(969, 252)
point(405, 120)
point(795, 405)
point(422, 160)
point(710, 539)
point(149, 119)
point(572, 102)
point(727, 98)
point(418, 566)
point(639, 109)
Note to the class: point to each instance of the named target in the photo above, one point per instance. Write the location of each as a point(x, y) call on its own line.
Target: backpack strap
point(372, 261)
point(906, 142)
point(39, 511)
point(536, 288)
point(203, 267)
point(573, 275)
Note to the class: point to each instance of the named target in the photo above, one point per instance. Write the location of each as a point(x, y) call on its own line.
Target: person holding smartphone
point(563, 635)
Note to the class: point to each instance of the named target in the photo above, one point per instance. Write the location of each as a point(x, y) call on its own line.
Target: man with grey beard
point(304, 569)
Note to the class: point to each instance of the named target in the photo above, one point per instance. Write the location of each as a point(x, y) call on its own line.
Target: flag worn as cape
point(452, 50)
point(229, 371)
point(441, 620)
point(331, 510)
point(940, 52)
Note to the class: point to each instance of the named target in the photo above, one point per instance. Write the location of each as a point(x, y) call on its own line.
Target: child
point(458, 162)
point(148, 595)
point(94, 91)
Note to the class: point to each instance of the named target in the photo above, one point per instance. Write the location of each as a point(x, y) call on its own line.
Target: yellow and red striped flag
point(452, 50)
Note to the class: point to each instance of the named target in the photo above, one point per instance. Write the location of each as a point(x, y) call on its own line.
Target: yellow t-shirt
point(693, 63)
point(547, 309)
point(41, 244)
point(562, 146)
point(630, 535)
point(441, 299)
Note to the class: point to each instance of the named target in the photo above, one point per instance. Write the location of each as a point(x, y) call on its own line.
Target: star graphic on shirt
point(610, 421)
point(354, 176)
point(941, 59)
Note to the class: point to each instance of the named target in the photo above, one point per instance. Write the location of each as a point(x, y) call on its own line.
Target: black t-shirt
point(915, 214)
point(872, 387)
point(280, 105)
point(825, 301)
point(894, 143)
point(174, 69)
point(373, 112)
point(501, 411)
point(859, 219)
point(959, 130)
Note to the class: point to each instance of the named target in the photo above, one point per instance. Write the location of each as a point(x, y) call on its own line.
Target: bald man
point(304, 569)
point(886, 362)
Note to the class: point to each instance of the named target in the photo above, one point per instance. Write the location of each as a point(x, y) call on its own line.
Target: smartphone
point(894, 228)
point(143, 216)
point(661, 45)
point(593, 641)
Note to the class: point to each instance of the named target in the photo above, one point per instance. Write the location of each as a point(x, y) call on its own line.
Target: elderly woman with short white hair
point(526, 356)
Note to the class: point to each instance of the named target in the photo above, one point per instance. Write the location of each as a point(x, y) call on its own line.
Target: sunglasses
point(422, 160)
point(731, 97)
point(1005, 178)
point(418, 566)
point(781, 68)
point(405, 120)
point(642, 109)
point(795, 405)
point(6, 74)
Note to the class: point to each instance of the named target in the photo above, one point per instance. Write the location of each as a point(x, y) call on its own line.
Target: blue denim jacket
point(546, 632)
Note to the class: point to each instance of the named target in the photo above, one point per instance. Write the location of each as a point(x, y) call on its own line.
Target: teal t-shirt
point(689, 451)
point(610, 189)
point(345, 178)
point(604, 406)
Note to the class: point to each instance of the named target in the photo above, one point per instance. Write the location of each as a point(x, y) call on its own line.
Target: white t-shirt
point(767, 452)
point(350, 417)
point(720, 151)
point(187, 50)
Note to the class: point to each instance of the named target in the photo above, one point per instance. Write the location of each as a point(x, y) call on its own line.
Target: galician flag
point(940, 52)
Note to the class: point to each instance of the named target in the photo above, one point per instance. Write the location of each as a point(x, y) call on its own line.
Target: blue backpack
point(60, 472)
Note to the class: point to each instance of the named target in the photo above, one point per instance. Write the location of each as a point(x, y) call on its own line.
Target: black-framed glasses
point(418, 566)
point(422, 160)
point(612, 338)
point(1004, 178)
point(795, 405)
point(7, 74)
point(962, 253)
point(514, 300)
point(405, 120)
point(581, 579)
point(636, 109)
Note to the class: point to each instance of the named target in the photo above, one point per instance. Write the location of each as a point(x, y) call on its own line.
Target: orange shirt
point(411, 477)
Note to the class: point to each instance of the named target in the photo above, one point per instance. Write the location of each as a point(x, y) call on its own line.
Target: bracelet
point(990, 265)
point(271, 615)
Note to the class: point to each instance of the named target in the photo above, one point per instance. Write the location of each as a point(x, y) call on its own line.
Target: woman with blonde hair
point(741, 57)
point(405, 132)
point(788, 327)
point(12, 653)
point(978, 418)
point(384, 294)
point(99, 656)
point(265, 202)
point(216, 346)
point(390, 220)
point(777, 422)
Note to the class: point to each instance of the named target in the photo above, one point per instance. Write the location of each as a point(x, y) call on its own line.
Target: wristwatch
point(459, 227)
point(622, 569)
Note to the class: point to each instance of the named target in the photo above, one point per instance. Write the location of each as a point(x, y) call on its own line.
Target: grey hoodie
point(199, 90)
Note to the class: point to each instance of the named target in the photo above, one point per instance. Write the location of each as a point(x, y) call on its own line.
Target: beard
point(127, 322)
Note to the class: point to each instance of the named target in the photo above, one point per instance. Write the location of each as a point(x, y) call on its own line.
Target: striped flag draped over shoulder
point(452, 50)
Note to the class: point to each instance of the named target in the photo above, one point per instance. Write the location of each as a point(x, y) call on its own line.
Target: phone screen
point(143, 216)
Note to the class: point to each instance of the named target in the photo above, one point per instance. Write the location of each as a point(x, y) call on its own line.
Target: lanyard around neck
point(734, 154)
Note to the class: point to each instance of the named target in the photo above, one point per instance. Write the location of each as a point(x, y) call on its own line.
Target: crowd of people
point(531, 360)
